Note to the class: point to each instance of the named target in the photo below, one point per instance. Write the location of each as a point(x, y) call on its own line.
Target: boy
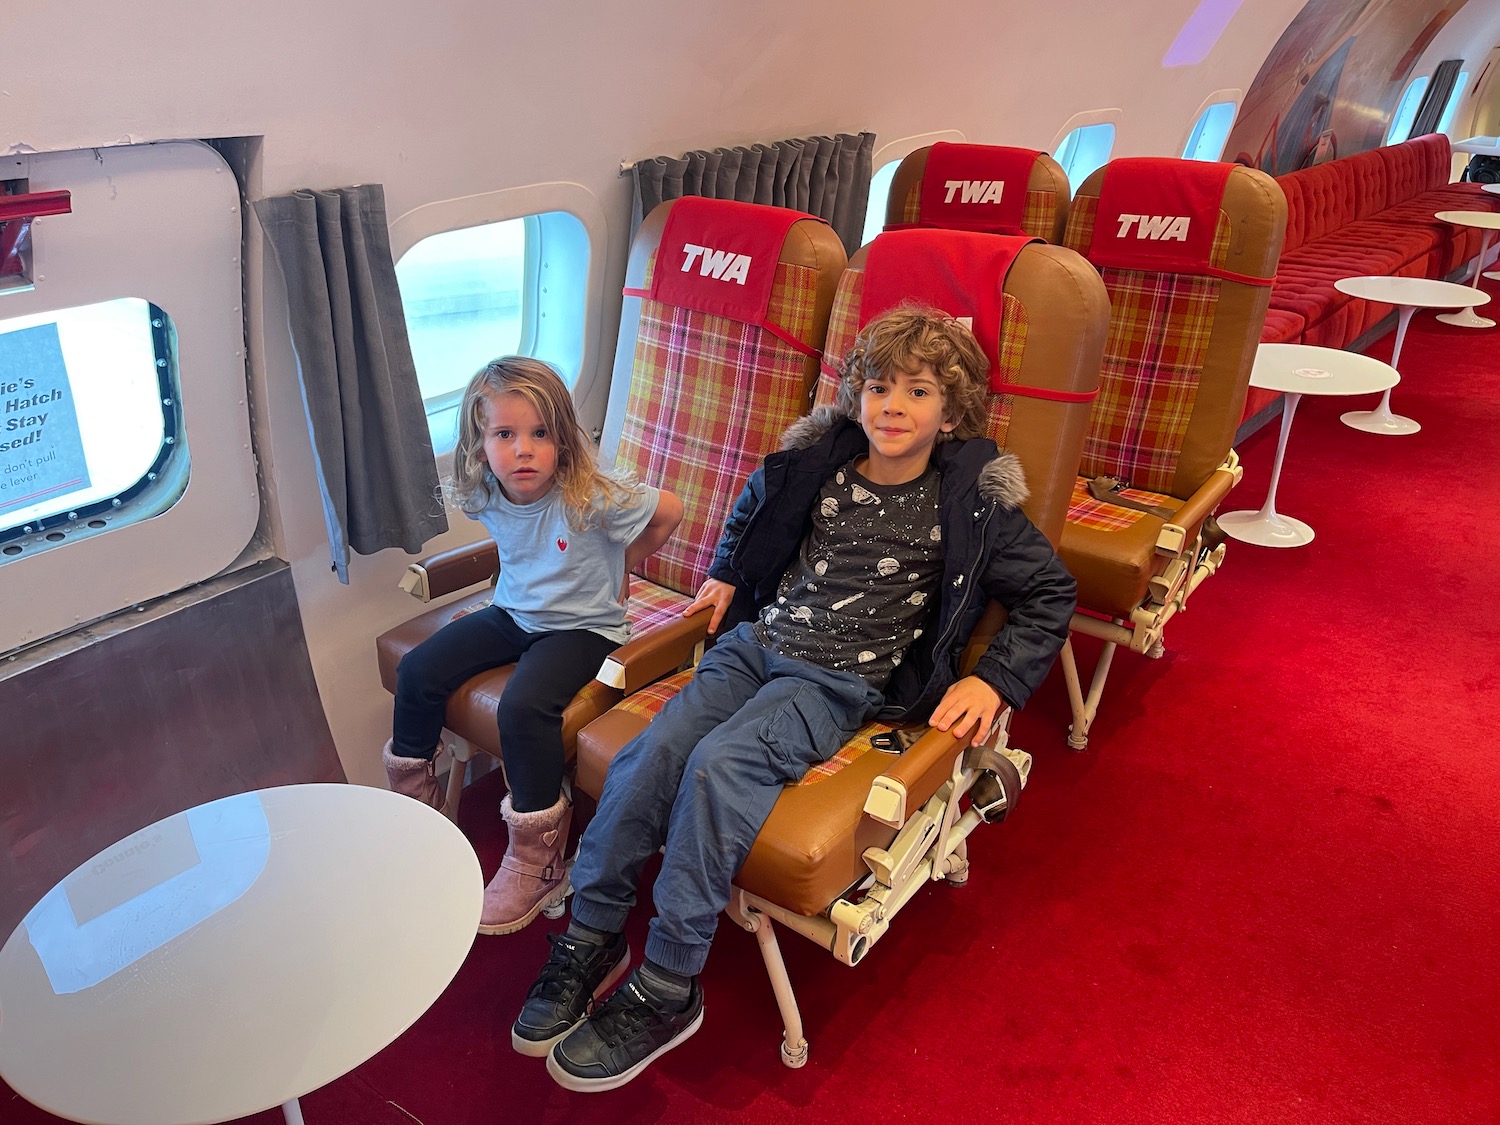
point(856, 563)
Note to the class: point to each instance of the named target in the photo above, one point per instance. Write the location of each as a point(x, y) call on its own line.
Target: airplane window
point(508, 287)
point(90, 433)
point(1453, 98)
point(1085, 150)
point(462, 292)
point(1406, 111)
point(880, 191)
point(1210, 131)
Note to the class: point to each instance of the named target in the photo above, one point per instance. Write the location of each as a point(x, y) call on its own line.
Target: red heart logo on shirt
point(562, 544)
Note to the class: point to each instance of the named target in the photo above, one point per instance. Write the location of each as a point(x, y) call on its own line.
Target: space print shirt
point(859, 592)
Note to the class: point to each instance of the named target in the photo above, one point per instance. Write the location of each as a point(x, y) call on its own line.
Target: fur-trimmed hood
point(1001, 480)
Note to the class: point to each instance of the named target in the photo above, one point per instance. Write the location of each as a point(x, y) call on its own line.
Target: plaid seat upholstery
point(1085, 511)
point(709, 398)
point(651, 605)
point(1159, 329)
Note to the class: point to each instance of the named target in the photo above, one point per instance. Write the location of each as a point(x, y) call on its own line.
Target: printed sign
point(41, 451)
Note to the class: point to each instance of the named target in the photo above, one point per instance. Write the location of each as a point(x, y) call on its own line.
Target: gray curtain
point(359, 385)
point(1435, 100)
point(824, 176)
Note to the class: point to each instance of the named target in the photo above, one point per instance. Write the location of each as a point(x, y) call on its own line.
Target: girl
point(568, 535)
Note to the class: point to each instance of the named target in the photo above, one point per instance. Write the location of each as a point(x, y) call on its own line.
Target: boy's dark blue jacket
point(991, 550)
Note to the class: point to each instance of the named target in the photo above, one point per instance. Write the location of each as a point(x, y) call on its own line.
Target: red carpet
point(1268, 892)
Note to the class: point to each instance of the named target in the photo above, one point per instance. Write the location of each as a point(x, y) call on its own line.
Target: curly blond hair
point(586, 489)
point(907, 338)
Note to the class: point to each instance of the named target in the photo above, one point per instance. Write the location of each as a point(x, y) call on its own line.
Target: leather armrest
point(448, 571)
point(1202, 503)
point(914, 777)
point(655, 653)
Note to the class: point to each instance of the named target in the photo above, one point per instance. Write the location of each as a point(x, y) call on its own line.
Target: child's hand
point(715, 593)
point(966, 703)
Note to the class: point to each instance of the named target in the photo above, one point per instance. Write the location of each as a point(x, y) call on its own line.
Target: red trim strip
point(1206, 271)
point(1243, 278)
point(35, 204)
point(1043, 392)
point(787, 338)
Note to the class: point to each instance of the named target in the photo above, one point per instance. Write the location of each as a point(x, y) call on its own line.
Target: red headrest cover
point(975, 187)
point(958, 272)
point(719, 257)
point(1159, 214)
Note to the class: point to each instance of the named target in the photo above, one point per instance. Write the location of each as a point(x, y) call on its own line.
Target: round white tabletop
point(1493, 189)
point(236, 956)
point(1296, 370)
point(1414, 292)
point(1304, 369)
point(1489, 222)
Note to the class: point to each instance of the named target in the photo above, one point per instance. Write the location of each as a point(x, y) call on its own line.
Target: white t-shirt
point(553, 578)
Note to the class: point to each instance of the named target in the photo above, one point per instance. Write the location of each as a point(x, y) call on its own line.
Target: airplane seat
point(989, 189)
point(1188, 251)
point(850, 843)
point(725, 311)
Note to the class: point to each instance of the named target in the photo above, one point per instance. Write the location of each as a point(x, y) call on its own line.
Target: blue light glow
point(1201, 32)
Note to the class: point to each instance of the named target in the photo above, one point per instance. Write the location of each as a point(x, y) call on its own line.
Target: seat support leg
point(1084, 710)
point(794, 1045)
point(459, 754)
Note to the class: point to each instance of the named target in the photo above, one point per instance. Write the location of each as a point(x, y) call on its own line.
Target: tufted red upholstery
point(1371, 213)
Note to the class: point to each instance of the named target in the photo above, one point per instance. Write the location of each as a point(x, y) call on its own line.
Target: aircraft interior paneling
point(206, 646)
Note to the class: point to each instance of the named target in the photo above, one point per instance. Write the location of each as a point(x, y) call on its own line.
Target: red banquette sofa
point(1371, 213)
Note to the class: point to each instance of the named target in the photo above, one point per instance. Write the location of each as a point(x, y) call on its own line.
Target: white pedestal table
point(1408, 294)
point(1489, 222)
point(236, 956)
point(1296, 370)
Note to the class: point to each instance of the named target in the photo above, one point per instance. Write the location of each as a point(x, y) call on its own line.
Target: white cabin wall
point(449, 99)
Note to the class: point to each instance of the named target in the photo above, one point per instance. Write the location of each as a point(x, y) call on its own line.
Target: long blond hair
point(586, 490)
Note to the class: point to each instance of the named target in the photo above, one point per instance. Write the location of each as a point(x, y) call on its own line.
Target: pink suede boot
point(533, 877)
point(413, 777)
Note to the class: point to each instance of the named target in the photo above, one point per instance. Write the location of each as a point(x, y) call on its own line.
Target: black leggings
point(550, 670)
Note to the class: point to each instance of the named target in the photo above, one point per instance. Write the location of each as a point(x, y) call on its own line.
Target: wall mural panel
point(1328, 89)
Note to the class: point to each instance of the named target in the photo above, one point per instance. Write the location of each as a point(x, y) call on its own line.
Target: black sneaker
point(623, 1036)
point(560, 998)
